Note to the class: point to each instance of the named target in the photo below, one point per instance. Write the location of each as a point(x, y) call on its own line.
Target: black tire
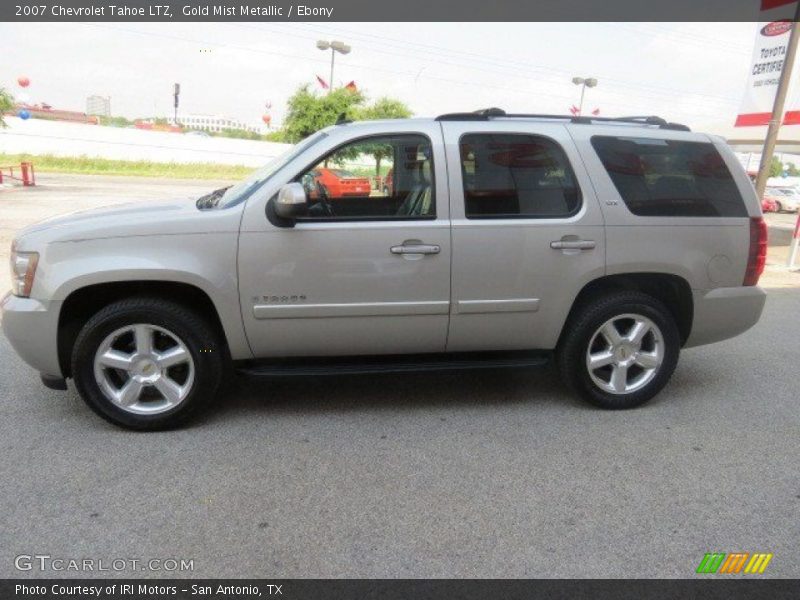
point(201, 340)
point(571, 353)
point(778, 207)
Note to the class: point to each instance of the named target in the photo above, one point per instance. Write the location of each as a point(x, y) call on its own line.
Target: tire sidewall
point(653, 310)
point(203, 350)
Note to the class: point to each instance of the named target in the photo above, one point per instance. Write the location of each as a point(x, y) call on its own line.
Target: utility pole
point(777, 107)
point(176, 92)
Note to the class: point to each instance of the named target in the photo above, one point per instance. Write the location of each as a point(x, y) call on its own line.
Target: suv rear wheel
point(620, 350)
point(146, 363)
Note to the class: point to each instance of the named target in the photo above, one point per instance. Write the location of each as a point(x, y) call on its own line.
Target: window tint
point(669, 178)
point(387, 177)
point(516, 175)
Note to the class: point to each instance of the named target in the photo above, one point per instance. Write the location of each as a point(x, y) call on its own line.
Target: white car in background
point(787, 198)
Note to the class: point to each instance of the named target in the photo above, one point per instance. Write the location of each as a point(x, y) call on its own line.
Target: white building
point(98, 105)
point(215, 123)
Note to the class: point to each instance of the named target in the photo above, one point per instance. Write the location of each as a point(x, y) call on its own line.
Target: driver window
point(386, 177)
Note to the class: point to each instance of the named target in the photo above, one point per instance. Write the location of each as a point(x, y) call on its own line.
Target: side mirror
point(291, 202)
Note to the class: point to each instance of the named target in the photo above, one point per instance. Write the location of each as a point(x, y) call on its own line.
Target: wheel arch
point(79, 306)
point(674, 291)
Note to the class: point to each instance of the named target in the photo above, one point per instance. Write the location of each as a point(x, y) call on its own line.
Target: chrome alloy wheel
point(144, 369)
point(625, 354)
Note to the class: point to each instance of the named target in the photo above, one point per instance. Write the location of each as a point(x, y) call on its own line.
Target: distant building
point(215, 123)
point(99, 106)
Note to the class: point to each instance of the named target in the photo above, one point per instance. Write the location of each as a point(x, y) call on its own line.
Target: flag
point(574, 110)
point(596, 112)
point(322, 82)
point(351, 86)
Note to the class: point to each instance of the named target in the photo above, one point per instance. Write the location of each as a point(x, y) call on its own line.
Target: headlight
point(23, 269)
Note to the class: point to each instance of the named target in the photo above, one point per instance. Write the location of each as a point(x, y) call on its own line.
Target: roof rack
point(487, 114)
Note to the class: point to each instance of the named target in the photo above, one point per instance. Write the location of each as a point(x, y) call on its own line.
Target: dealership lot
point(475, 474)
point(482, 474)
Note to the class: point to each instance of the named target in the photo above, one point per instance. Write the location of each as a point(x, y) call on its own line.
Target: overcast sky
point(689, 72)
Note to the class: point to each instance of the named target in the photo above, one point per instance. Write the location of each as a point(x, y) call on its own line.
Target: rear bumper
point(31, 327)
point(724, 313)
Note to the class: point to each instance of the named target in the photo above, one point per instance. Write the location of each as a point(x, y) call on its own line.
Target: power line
point(471, 84)
point(510, 63)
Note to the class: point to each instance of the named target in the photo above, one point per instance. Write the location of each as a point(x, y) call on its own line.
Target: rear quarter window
point(670, 178)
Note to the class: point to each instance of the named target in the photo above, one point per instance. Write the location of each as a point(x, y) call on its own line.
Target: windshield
point(242, 190)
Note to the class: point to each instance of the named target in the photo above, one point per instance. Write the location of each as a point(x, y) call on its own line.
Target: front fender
point(206, 261)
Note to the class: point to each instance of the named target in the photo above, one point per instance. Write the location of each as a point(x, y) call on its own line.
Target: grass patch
point(84, 165)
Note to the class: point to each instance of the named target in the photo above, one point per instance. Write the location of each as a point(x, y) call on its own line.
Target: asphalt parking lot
point(481, 474)
point(472, 474)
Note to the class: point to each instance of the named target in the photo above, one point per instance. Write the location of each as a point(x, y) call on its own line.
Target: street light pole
point(334, 46)
point(584, 82)
point(333, 57)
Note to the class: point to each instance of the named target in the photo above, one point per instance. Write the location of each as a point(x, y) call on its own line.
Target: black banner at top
point(394, 10)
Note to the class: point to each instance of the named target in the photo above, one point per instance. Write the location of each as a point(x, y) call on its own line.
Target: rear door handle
point(573, 245)
point(416, 249)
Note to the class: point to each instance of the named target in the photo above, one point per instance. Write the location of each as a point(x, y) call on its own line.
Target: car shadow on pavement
point(392, 392)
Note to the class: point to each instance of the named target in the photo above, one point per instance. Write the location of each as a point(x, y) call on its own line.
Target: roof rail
point(493, 113)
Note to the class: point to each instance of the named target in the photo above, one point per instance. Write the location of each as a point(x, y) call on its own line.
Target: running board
point(393, 364)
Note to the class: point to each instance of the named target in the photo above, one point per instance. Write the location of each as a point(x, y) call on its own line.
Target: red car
point(769, 204)
point(339, 183)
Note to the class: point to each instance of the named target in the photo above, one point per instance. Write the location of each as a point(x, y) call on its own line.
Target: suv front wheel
point(620, 350)
point(146, 363)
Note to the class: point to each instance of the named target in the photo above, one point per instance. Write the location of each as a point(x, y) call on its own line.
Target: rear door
point(527, 233)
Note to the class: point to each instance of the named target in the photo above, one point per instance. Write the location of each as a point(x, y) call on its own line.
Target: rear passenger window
point(516, 176)
point(669, 178)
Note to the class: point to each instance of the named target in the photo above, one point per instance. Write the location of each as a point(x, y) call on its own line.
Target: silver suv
point(471, 240)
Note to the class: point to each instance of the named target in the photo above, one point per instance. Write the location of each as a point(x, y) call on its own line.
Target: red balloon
point(23, 81)
point(266, 119)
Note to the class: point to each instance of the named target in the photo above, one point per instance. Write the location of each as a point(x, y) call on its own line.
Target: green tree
point(308, 113)
point(775, 167)
point(383, 108)
point(6, 104)
point(792, 170)
point(115, 122)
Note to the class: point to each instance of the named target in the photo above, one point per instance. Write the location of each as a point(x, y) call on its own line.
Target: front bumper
point(724, 313)
point(31, 326)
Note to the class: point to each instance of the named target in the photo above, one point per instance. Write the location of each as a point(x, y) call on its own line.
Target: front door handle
point(416, 249)
point(573, 244)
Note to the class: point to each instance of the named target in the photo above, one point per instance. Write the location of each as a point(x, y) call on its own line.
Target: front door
point(527, 233)
point(368, 270)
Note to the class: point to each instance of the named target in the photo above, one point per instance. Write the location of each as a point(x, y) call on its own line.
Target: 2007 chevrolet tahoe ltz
point(503, 239)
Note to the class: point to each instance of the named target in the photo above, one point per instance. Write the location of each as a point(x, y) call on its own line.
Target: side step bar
point(392, 364)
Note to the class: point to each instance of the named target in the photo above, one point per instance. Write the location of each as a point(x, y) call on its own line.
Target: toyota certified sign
point(769, 53)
